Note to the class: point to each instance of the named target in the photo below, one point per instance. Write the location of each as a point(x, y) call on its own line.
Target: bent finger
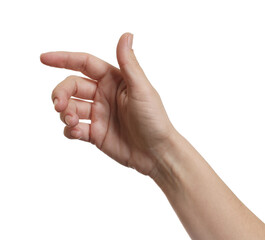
point(81, 131)
point(76, 109)
point(73, 86)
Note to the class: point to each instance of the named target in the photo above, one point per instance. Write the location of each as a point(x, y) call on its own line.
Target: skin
point(129, 124)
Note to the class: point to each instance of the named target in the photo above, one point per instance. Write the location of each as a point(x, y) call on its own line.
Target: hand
point(128, 120)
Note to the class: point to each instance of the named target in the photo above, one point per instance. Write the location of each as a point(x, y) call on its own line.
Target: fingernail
point(55, 102)
point(75, 134)
point(67, 119)
point(130, 40)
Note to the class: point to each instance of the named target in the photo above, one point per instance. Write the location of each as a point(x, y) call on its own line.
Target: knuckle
point(55, 91)
point(85, 63)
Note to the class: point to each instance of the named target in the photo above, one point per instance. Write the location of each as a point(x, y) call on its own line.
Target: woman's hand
point(129, 123)
point(128, 120)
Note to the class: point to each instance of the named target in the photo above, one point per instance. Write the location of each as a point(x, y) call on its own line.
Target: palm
point(109, 131)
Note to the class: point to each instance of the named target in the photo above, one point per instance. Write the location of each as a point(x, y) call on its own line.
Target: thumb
point(132, 72)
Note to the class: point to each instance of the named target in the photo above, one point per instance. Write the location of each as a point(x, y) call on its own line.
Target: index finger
point(88, 64)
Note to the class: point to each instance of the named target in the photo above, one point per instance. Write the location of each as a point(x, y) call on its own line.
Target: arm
point(206, 207)
point(130, 124)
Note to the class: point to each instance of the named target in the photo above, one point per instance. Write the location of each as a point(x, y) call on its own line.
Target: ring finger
point(76, 109)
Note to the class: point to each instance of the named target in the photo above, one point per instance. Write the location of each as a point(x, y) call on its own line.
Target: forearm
point(206, 207)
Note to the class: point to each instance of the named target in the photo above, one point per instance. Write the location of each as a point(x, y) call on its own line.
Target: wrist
point(165, 159)
point(172, 160)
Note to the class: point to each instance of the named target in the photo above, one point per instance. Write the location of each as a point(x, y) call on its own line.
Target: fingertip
point(43, 57)
point(71, 120)
point(129, 40)
point(56, 104)
point(52, 59)
point(55, 101)
point(59, 105)
point(72, 132)
point(68, 120)
point(76, 133)
point(123, 47)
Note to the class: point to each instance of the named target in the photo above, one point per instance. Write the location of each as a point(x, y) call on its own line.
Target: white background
point(205, 58)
